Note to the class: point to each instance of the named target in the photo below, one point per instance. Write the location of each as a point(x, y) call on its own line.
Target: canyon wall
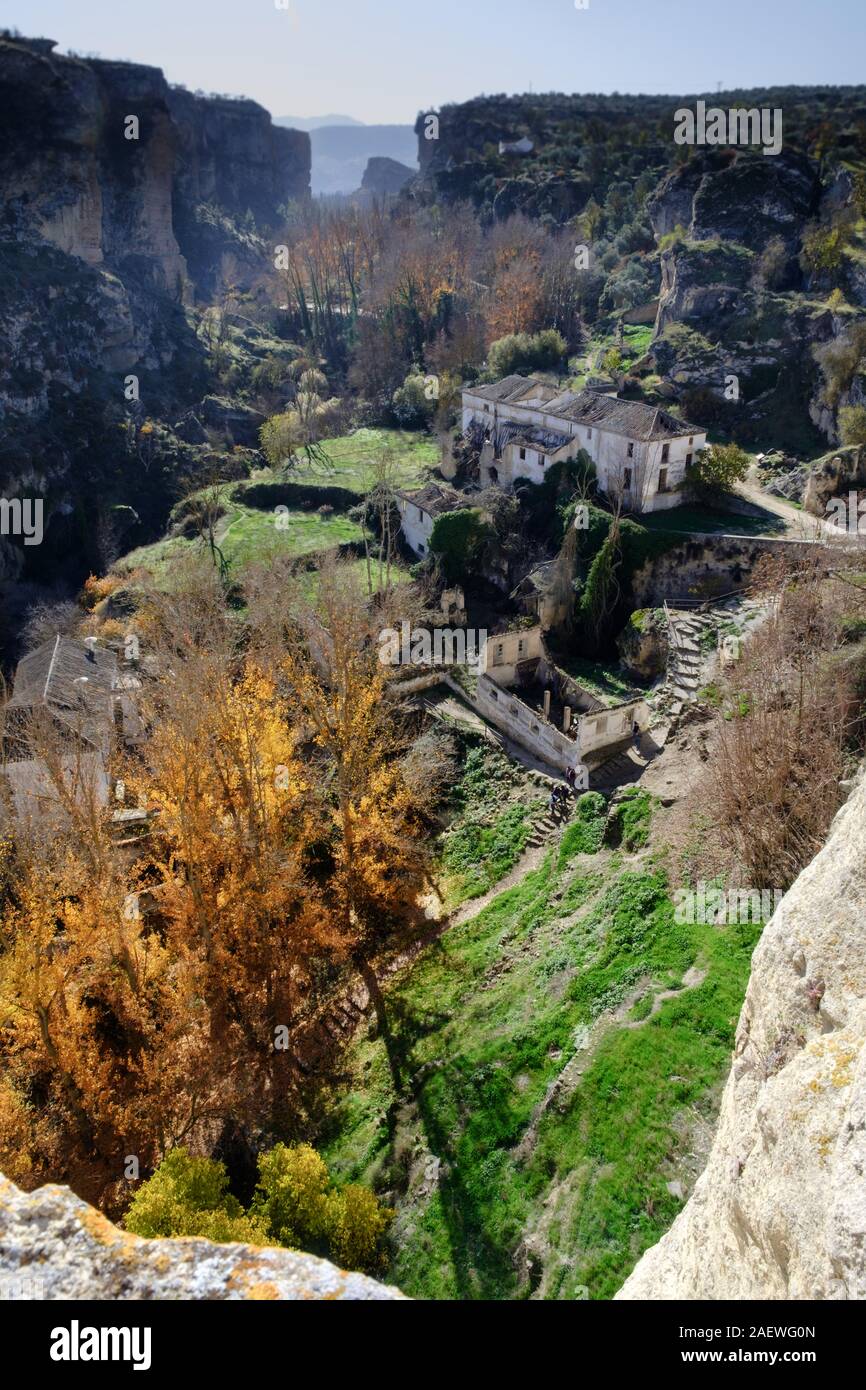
point(780, 1210)
point(77, 174)
point(112, 250)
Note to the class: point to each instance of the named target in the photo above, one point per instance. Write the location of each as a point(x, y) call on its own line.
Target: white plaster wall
point(416, 525)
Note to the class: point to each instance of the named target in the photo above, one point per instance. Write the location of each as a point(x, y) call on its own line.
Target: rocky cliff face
point(78, 174)
point(724, 311)
point(54, 1246)
point(111, 248)
point(780, 1211)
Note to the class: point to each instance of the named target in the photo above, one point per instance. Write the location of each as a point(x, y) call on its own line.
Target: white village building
point(640, 452)
point(419, 509)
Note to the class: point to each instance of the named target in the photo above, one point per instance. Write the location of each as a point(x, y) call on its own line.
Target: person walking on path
point(636, 735)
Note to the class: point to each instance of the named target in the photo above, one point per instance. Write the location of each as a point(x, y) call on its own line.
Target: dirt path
point(800, 525)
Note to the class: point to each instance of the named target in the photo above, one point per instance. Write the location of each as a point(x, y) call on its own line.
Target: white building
point(419, 510)
point(640, 452)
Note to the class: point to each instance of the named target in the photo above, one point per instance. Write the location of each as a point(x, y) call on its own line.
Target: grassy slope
point(353, 457)
point(483, 1025)
point(248, 534)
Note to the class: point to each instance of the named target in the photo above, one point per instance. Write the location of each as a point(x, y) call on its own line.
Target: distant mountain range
point(314, 122)
point(341, 147)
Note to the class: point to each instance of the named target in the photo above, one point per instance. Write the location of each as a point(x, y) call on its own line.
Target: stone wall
point(706, 566)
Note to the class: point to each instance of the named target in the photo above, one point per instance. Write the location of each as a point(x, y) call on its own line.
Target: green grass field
point(352, 459)
point(544, 1095)
point(246, 536)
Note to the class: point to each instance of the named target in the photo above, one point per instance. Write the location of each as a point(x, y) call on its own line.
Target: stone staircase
point(621, 770)
point(548, 825)
point(686, 659)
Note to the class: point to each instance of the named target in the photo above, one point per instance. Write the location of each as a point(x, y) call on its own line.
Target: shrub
point(852, 424)
point(585, 833)
point(629, 821)
point(718, 467)
point(296, 1204)
point(457, 538)
point(291, 1198)
point(525, 352)
point(189, 1197)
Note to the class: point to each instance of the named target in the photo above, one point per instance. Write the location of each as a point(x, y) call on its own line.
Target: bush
point(718, 467)
point(852, 424)
point(189, 1197)
point(629, 821)
point(585, 833)
point(457, 538)
point(525, 352)
point(291, 1199)
point(411, 406)
point(296, 1205)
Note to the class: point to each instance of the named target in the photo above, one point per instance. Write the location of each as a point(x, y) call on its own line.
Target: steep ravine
point(780, 1210)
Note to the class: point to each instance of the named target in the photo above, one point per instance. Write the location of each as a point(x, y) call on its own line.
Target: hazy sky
point(383, 60)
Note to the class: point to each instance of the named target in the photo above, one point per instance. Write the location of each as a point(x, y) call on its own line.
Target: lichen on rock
point(53, 1243)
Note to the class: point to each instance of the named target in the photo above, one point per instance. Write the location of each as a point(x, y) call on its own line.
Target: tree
point(301, 429)
point(296, 1204)
point(370, 819)
point(189, 1196)
point(718, 467)
point(457, 538)
point(524, 352)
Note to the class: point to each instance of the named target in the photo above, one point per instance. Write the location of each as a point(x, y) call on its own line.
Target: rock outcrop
point(384, 176)
point(780, 1210)
point(107, 162)
point(130, 208)
point(54, 1246)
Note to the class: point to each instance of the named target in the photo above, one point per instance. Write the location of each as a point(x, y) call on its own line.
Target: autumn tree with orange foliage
point(152, 992)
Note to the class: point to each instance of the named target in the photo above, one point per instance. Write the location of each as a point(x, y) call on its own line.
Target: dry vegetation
point(155, 993)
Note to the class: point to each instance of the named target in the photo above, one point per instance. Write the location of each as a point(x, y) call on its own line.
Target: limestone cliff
point(77, 174)
point(54, 1246)
point(780, 1211)
point(111, 250)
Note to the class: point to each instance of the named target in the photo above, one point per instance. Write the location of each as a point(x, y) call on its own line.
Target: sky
point(384, 60)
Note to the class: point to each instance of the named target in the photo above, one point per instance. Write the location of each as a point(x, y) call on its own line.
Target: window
point(493, 695)
point(631, 451)
point(487, 410)
point(497, 654)
point(688, 460)
point(626, 479)
point(666, 448)
point(421, 547)
point(522, 454)
point(420, 514)
point(520, 645)
point(691, 439)
point(663, 480)
point(589, 434)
